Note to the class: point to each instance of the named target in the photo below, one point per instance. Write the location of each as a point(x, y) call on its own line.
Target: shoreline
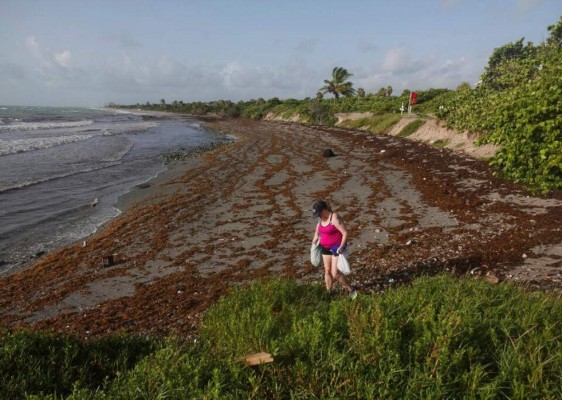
point(174, 165)
point(241, 213)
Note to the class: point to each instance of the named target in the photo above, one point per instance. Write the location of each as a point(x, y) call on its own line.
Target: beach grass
point(441, 337)
point(377, 124)
point(440, 143)
point(411, 128)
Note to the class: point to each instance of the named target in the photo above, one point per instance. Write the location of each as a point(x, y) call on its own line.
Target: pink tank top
point(329, 235)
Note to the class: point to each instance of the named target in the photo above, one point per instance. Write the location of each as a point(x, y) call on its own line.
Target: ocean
point(62, 170)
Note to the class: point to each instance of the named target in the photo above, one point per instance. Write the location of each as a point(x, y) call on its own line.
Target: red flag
point(413, 97)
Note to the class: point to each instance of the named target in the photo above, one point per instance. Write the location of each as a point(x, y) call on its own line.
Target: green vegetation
point(41, 362)
point(439, 338)
point(411, 128)
point(517, 106)
point(377, 124)
point(440, 143)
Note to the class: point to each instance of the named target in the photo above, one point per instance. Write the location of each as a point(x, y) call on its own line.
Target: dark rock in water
point(143, 186)
point(329, 153)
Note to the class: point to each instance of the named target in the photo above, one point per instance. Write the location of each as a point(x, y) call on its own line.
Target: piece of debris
point(492, 278)
point(108, 261)
point(256, 359)
point(329, 153)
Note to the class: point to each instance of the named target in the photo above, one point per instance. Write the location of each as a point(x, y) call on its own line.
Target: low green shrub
point(438, 338)
point(440, 143)
point(411, 128)
point(44, 362)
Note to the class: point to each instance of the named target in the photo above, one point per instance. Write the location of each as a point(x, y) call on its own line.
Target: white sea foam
point(119, 155)
point(31, 126)
point(21, 145)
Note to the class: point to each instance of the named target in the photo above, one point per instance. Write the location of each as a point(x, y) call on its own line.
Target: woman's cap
point(317, 207)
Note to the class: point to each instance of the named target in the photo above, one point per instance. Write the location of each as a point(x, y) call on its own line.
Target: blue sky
point(75, 52)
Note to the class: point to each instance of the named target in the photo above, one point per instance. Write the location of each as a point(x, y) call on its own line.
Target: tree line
point(517, 105)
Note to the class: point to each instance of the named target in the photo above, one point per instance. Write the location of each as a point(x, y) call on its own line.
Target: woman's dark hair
point(318, 206)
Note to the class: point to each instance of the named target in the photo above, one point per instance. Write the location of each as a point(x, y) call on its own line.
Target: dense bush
point(518, 106)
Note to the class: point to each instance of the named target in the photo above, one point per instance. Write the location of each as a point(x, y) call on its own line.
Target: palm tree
point(338, 85)
point(360, 92)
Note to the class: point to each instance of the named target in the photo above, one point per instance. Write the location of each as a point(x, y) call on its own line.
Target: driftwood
point(256, 359)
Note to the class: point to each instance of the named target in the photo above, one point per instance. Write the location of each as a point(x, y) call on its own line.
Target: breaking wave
point(32, 126)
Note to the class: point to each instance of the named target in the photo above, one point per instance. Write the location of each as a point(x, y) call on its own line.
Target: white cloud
point(396, 59)
point(402, 70)
point(31, 43)
point(129, 78)
point(63, 58)
point(230, 74)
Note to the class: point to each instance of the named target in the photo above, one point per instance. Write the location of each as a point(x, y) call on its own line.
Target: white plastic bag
point(343, 264)
point(316, 255)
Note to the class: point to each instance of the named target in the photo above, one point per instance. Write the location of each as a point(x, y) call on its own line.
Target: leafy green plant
point(518, 107)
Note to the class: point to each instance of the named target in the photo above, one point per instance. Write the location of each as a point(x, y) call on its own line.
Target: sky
point(90, 53)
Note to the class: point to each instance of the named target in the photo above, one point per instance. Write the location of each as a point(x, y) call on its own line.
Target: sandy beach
point(243, 212)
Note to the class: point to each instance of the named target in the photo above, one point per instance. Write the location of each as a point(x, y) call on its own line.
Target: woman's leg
point(327, 259)
point(336, 275)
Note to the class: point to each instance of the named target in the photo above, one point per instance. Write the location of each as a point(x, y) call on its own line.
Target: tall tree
point(339, 86)
point(360, 92)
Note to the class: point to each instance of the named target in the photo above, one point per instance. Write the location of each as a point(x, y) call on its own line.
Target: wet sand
point(243, 212)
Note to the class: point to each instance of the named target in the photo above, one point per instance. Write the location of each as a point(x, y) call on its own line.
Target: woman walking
point(332, 234)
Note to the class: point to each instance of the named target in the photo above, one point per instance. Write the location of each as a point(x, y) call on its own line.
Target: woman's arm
point(337, 221)
point(315, 238)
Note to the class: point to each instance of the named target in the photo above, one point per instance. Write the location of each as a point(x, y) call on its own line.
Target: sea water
point(63, 169)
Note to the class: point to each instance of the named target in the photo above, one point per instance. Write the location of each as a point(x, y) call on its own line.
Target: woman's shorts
point(333, 251)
